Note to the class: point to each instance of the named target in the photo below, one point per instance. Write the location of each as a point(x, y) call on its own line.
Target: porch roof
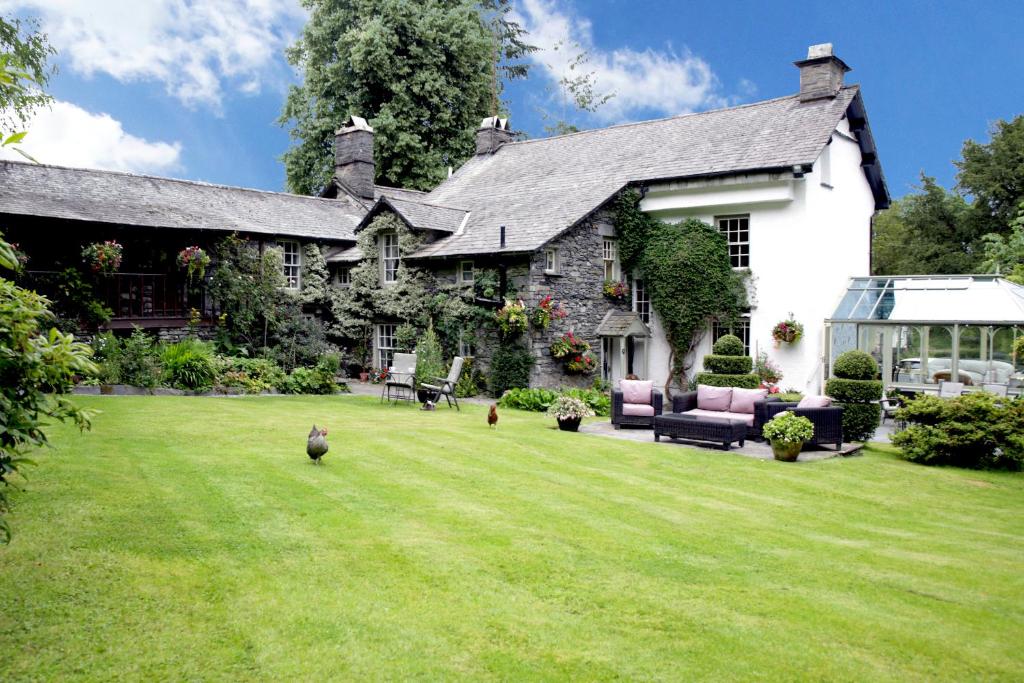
point(622, 324)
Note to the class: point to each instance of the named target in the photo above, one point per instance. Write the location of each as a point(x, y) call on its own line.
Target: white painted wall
point(806, 240)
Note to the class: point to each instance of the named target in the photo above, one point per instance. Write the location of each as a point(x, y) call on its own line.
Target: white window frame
point(344, 276)
point(610, 255)
point(720, 329)
point(641, 301)
point(291, 263)
point(551, 260)
point(736, 229)
point(466, 275)
point(390, 257)
point(386, 345)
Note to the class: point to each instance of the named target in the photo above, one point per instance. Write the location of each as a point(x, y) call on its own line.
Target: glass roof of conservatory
point(985, 299)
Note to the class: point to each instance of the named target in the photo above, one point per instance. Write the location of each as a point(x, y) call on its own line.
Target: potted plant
point(194, 260)
point(787, 433)
point(616, 290)
point(569, 411)
point(788, 331)
point(511, 318)
point(546, 311)
point(103, 257)
point(574, 353)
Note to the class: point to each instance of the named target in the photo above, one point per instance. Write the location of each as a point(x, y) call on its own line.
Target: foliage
point(976, 431)
point(429, 360)
point(188, 364)
point(510, 368)
point(789, 331)
point(687, 272)
point(575, 89)
point(247, 286)
point(1018, 348)
point(511, 319)
point(72, 299)
point(36, 369)
point(728, 365)
point(546, 311)
point(471, 381)
point(928, 231)
point(132, 361)
point(194, 260)
point(574, 353)
point(715, 380)
point(298, 338)
point(768, 371)
point(26, 52)
point(422, 73)
point(789, 396)
point(860, 420)
point(252, 375)
point(598, 401)
point(316, 279)
point(855, 365)
point(103, 257)
point(993, 174)
point(616, 290)
point(787, 427)
point(569, 408)
point(728, 345)
point(539, 399)
point(854, 390)
point(1004, 254)
point(315, 380)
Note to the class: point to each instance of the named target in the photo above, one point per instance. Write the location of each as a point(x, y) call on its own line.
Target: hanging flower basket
point(511, 318)
point(788, 331)
point(546, 311)
point(574, 353)
point(615, 290)
point(194, 260)
point(103, 257)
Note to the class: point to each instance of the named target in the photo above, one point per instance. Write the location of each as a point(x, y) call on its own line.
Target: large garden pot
point(569, 424)
point(364, 377)
point(785, 451)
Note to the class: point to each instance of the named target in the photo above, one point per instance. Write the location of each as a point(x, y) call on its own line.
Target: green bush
point(789, 396)
point(318, 380)
point(429, 361)
point(251, 375)
point(510, 368)
point(728, 345)
point(860, 420)
point(728, 365)
point(976, 431)
point(598, 401)
point(133, 362)
point(470, 381)
point(854, 390)
point(539, 400)
point(740, 381)
point(188, 364)
point(855, 365)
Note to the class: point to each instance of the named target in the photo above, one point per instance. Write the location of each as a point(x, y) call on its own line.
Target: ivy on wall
point(687, 273)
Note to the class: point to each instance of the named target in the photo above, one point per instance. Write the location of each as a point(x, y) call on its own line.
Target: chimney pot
point(353, 157)
point(492, 134)
point(821, 74)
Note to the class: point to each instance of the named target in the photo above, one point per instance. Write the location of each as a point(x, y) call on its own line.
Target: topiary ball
point(728, 345)
point(855, 365)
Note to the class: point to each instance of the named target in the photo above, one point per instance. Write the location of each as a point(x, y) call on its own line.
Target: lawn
point(191, 538)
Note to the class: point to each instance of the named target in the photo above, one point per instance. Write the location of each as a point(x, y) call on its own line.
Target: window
point(641, 302)
point(737, 232)
point(551, 260)
point(385, 345)
point(345, 276)
point(389, 256)
point(292, 263)
point(611, 260)
point(466, 272)
point(741, 329)
point(467, 344)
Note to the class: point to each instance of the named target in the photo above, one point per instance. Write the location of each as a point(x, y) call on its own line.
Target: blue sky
point(192, 90)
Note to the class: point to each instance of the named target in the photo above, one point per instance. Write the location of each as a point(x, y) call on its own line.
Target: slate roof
point(146, 201)
point(622, 324)
point(397, 193)
point(539, 188)
point(344, 255)
point(423, 215)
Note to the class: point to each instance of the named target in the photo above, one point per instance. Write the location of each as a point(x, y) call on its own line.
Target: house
point(792, 182)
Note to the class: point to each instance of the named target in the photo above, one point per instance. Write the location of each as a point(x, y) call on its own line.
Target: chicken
point(316, 446)
point(492, 417)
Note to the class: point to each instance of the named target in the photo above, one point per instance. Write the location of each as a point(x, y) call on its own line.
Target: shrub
point(252, 375)
point(740, 381)
point(569, 408)
point(855, 365)
point(769, 372)
point(510, 367)
point(728, 345)
point(317, 380)
point(728, 365)
point(858, 397)
point(429, 362)
point(977, 431)
point(789, 396)
point(135, 361)
point(535, 400)
point(470, 381)
point(188, 365)
point(599, 402)
point(854, 390)
point(860, 420)
point(787, 427)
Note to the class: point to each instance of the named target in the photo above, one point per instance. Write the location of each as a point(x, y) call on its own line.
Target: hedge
point(728, 365)
point(510, 367)
point(860, 420)
point(739, 381)
point(728, 345)
point(855, 365)
point(854, 390)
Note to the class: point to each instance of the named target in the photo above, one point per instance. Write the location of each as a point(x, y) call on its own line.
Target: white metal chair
point(950, 389)
point(401, 378)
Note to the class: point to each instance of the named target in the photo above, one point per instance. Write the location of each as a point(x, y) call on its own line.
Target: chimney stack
point(353, 157)
point(821, 74)
point(492, 134)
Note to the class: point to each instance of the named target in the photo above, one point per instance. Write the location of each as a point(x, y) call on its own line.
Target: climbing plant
point(687, 273)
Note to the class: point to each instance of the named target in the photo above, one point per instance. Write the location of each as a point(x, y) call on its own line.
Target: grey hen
point(316, 446)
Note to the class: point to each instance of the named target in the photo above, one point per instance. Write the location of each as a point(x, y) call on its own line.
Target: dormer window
point(389, 257)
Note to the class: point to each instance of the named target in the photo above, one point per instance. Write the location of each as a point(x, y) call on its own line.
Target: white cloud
point(663, 81)
point(195, 48)
point(67, 135)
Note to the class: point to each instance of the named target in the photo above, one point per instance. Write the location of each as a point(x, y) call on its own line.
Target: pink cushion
point(815, 402)
point(638, 409)
point(713, 398)
point(636, 391)
point(721, 415)
point(743, 400)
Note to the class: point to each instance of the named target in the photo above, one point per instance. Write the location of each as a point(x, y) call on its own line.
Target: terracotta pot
point(364, 377)
point(569, 424)
point(787, 452)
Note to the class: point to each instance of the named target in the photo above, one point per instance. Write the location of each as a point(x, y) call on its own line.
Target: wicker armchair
point(688, 401)
point(619, 410)
point(828, 422)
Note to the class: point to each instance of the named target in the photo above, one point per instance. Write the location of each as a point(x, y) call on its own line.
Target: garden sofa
point(635, 403)
point(827, 419)
point(746, 405)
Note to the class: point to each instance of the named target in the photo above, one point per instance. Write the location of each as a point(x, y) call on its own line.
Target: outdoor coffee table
point(682, 426)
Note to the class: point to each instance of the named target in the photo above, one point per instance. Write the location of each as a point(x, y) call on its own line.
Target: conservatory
point(923, 330)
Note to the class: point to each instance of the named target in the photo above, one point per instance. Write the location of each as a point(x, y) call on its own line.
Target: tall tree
point(424, 73)
point(575, 93)
point(23, 75)
point(993, 174)
point(929, 231)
